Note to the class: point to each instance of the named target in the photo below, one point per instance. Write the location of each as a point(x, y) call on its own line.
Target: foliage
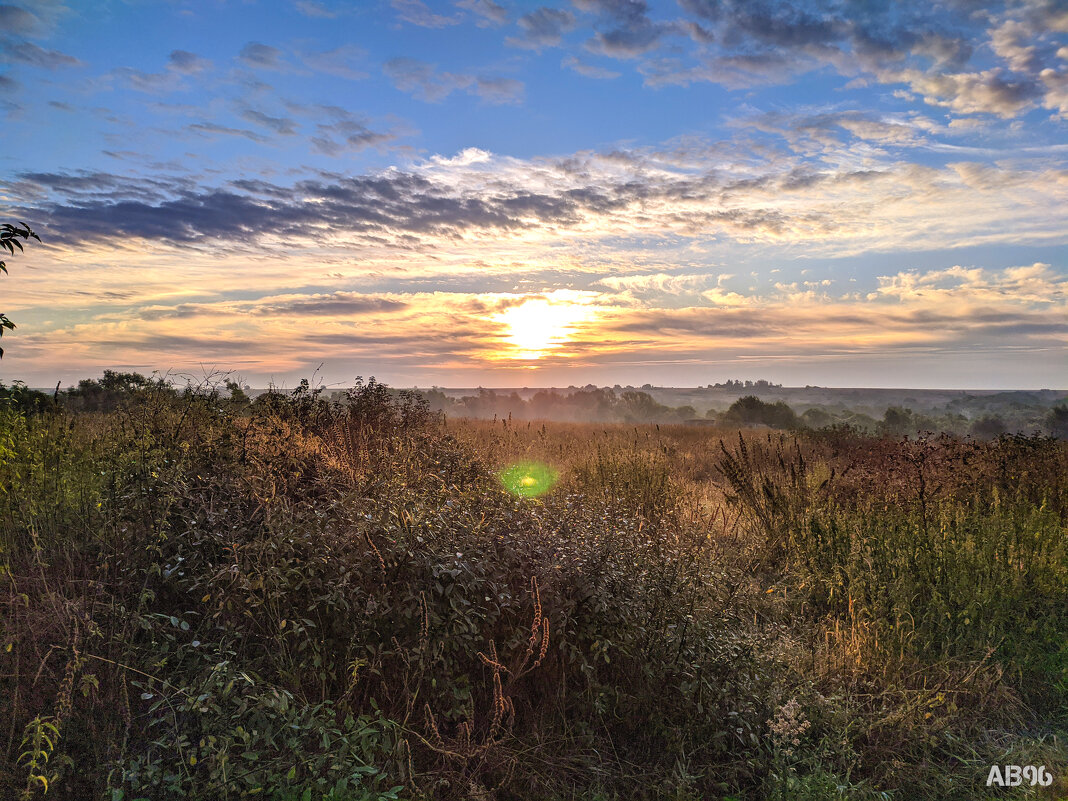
point(29, 401)
point(1057, 421)
point(114, 391)
point(751, 409)
point(989, 426)
point(10, 236)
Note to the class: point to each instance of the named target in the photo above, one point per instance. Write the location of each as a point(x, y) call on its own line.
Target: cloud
point(786, 26)
point(310, 8)
point(74, 183)
point(8, 84)
point(589, 70)
point(329, 305)
point(36, 56)
point(386, 205)
point(17, 20)
point(543, 27)
point(830, 184)
point(155, 83)
point(425, 82)
point(497, 90)
point(742, 71)
point(949, 308)
point(697, 32)
point(630, 33)
point(280, 125)
point(972, 92)
point(940, 53)
point(338, 130)
point(657, 284)
point(626, 42)
point(1056, 91)
point(261, 56)
point(487, 11)
point(418, 13)
point(187, 63)
point(332, 304)
point(422, 80)
point(816, 132)
point(825, 204)
point(213, 129)
point(348, 135)
point(341, 61)
point(1008, 40)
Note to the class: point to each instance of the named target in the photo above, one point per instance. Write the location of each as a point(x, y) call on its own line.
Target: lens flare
point(529, 479)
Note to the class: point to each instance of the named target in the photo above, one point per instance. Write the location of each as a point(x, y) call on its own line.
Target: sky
point(503, 193)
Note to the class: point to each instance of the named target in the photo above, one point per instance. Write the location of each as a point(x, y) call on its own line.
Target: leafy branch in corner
point(9, 240)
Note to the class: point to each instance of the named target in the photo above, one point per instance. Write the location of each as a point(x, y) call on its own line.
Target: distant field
point(981, 413)
point(207, 596)
point(893, 411)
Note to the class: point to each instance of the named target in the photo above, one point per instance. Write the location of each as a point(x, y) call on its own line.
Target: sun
point(538, 326)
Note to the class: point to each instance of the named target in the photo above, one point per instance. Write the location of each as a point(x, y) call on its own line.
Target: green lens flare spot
point(529, 479)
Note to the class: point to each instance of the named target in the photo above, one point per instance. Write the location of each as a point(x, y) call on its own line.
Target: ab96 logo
point(1015, 775)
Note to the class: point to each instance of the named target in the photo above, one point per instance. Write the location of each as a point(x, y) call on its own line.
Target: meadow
point(205, 596)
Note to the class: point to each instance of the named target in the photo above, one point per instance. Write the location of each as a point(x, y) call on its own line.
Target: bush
point(20, 398)
point(750, 410)
point(336, 598)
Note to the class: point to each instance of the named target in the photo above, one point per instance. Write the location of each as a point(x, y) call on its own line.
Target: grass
point(293, 599)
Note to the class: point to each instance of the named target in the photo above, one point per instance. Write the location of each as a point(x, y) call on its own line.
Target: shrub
point(751, 410)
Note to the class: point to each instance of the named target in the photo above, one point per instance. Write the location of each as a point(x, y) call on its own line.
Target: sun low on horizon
point(493, 193)
point(538, 326)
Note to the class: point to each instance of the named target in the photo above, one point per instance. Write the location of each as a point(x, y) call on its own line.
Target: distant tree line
point(113, 391)
point(760, 384)
point(116, 390)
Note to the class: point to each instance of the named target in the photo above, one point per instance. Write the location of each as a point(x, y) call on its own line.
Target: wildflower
point(788, 726)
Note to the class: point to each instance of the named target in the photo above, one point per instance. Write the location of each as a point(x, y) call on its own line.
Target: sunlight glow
point(538, 326)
